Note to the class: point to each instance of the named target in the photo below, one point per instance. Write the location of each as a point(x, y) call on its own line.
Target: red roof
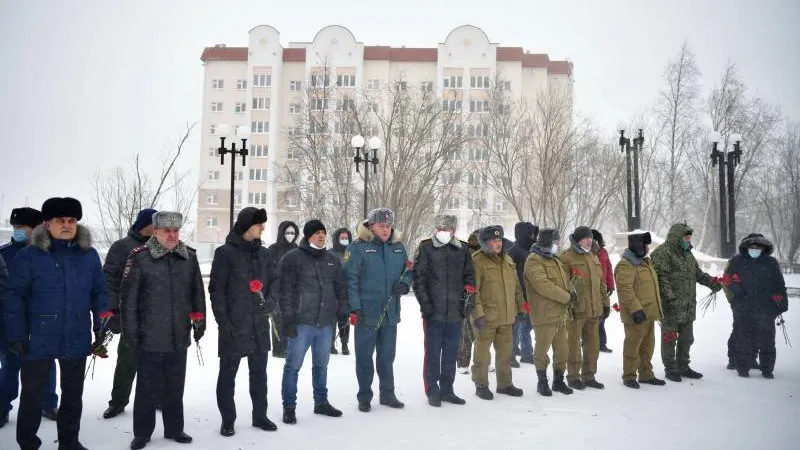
point(294, 55)
point(224, 54)
point(401, 54)
point(560, 67)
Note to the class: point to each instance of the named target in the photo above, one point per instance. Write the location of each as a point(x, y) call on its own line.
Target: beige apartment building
point(257, 87)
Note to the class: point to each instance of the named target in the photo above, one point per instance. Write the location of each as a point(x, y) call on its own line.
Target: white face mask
point(314, 246)
point(344, 242)
point(554, 249)
point(754, 253)
point(289, 236)
point(444, 236)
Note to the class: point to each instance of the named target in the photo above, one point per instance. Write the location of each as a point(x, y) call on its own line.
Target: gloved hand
point(609, 292)
point(289, 329)
point(639, 316)
point(400, 289)
point(573, 298)
point(426, 309)
point(114, 324)
point(606, 312)
point(716, 287)
point(356, 317)
point(19, 348)
point(99, 348)
point(480, 323)
point(199, 327)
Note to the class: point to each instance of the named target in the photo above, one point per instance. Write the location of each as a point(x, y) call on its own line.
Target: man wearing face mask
point(23, 220)
point(377, 276)
point(584, 337)
point(286, 241)
point(341, 239)
point(757, 296)
point(525, 234)
point(678, 275)
point(442, 269)
point(467, 333)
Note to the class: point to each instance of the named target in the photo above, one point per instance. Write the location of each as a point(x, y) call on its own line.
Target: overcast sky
point(88, 87)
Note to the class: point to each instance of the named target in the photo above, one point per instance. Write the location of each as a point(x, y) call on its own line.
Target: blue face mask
point(19, 236)
point(686, 245)
point(754, 253)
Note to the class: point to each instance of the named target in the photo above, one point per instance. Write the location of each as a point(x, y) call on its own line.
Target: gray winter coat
point(440, 274)
point(159, 290)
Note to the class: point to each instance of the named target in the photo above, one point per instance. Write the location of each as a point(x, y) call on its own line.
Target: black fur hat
point(28, 217)
point(61, 207)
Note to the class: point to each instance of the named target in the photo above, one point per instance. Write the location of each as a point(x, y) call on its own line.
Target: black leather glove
point(426, 309)
point(606, 312)
point(573, 298)
point(400, 289)
point(199, 327)
point(639, 316)
point(19, 348)
point(289, 329)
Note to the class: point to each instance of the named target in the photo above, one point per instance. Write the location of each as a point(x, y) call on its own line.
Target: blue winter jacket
point(3, 288)
point(373, 268)
point(54, 286)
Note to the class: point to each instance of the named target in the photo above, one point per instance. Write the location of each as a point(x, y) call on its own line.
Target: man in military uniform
point(498, 299)
point(678, 274)
point(640, 307)
point(163, 300)
point(587, 275)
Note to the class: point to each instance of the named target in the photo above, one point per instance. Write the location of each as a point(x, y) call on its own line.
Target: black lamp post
point(727, 209)
point(374, 144)
point(632, 147)
point(224, 130)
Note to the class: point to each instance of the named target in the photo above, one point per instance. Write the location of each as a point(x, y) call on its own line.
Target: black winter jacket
point(762, 289)
point(440, 274)
point(115, 264)
point(242, 315)
point(277, 250)
point(338, 249)
point(524, 233)
point(158, 292)
point(313, 290)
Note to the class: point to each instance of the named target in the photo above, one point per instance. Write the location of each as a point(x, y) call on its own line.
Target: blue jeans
point(319, 339)
point(522, 336)
point(10, 365)
point(369, 342)
point(441, 351)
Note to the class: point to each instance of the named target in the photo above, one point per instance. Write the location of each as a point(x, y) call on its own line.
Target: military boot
point(576, 384)
point(514, 362)
point(558, 383)
point(594, 384)
point(673, 376)
point(691, 374)
point(543, 387)
point(483, 392)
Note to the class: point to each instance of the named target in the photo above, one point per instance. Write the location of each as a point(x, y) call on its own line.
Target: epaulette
point(139, 249)
point(129, 262)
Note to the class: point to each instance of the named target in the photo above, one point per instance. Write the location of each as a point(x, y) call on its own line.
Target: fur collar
point(157, 250)
point(40, 238)
point(365, 235)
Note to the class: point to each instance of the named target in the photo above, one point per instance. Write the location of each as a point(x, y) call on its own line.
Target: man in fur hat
point(377, 276)
point(163, 300)
point(443, 269)
point(23, 221)
point(57, 289)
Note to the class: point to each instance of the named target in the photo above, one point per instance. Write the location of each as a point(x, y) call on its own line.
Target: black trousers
point(34, 376)
point(754, 334)
point(124, 373)
point(226, 384)
point(159, 373)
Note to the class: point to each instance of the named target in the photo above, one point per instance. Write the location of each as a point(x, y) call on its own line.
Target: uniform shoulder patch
point(129, 262)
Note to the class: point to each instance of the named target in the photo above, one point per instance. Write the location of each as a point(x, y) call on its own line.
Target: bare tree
point(121, 192)
point(599, 177)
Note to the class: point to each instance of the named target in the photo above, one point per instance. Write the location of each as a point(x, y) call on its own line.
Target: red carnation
point(196, 316)
point(256, 286)
point(353, 319)
point(615, 306)
point(409, 265)
point(577, 273)
point(671, 336)
point(526, 307)
point(106, 314)
point(469, 289)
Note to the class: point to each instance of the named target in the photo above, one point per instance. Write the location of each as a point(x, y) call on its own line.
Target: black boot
point(514, 362)
point(633, 384)
point(76, 446)
point(673, 376)
point(265, 424)
point(576, 384)
point(364, 407)
point(483, 392)
point(435, 401)
point(51, 414)
point(744, 373)
point(730, 365)
point(227, 429)
point(392, 402)
point(558, 383)
point(113, 411)
point(289, 416)
point(333, 349)
point(510, 390)
point(594, 384)
point(139, 443)
point(691, 374)
point(453, 398)
point(180, 437)
point(3, 418)
point(653, 381)
point(326, 409)
point(543, 387)
point(345, 350)
point(526, 359)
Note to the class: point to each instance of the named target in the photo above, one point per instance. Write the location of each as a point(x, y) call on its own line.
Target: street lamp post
point(241, 132)
point(374, 144)
point(632, 149)
point(727, 201)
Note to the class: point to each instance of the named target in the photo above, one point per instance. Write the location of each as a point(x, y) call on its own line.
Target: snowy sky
point(89, 86)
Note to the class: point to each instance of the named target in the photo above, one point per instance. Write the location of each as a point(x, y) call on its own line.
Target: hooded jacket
point(440, 273)
point(338, 249)
point(524, 233)
point(762, 289)
point(637, 285)
point(547, 286)
point(56, 284)
point(277, 250)
point(115, 264)
point(584, 267)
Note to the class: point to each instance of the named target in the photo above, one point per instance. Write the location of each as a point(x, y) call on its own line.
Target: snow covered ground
point(721, 411)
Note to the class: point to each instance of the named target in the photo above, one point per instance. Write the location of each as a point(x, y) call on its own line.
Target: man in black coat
point(239, 289)
point(125, 372)
point(313, 296)
point(757, 292)
point(442, 270)
point(525, 234)
point(341, 239)
point(163, 300)
point(285, 242)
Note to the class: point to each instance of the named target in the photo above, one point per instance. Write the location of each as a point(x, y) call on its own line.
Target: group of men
point(59, 303)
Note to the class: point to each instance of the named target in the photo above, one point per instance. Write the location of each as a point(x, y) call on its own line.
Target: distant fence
point(790, 268)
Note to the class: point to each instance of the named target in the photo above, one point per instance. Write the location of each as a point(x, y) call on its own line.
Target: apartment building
point(257, 86)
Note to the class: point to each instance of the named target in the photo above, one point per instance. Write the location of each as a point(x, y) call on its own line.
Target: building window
point(317, 128)
point(346, 80)
point(479, 82)
point(291, 201)
point(500, 205)
point(211, 198)
point(216, 106)
point(213, 175)
point(212, 151)
point(259, 127)
point(401, 85)
point(451, 105)
point(258, 150)
point(239, 176)
point(344, 128)
point(240, 107)
point(241, 85)
point(295, 86)
point(481, 130)
point(212, 129)
point(426, 86)
point(478, 154)
point(262, 80)
point(479, 106)
point(504, 85)
point(212, 222)
point(451, 177)
point(217, 84)
point(257, 198)
point(476, 179)
point(320, 80)
point(453, 82)
point(294, 108)
point(258, 174)
point(476, 203)
point(260, 103)
point(347, 104)
point(454, 203)
point(318, 104)
point(504, 109)
point(237, 198)
point(373, 84)
point(295, 131)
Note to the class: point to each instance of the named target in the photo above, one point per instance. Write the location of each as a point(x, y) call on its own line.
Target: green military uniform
point(498, 300)
point(584, 268)
point(678, 273)
point(637, 289)
point(547, 286)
